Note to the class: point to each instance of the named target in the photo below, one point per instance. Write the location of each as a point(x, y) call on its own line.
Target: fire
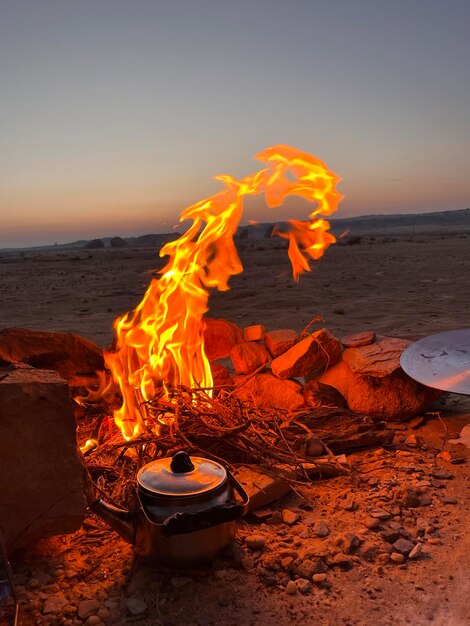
point(160, 344)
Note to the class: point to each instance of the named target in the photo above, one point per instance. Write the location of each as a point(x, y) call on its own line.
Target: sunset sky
point(115, 114)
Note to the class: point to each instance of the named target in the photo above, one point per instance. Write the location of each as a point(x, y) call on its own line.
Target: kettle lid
point(181, 475)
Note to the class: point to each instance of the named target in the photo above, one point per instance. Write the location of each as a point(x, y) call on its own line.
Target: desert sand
point(397, 285)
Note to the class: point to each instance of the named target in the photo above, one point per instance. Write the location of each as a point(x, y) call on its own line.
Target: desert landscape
point(321, 555)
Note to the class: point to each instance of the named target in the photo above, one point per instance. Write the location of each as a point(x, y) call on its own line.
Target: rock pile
point(279, 369)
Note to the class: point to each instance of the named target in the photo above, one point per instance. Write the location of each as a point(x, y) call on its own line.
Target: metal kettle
point(187, 507)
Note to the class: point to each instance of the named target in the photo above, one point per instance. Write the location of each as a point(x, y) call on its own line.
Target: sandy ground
point(407, 287)
point(401, 286)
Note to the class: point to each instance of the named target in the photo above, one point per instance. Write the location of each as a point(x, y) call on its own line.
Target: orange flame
point(160, 343)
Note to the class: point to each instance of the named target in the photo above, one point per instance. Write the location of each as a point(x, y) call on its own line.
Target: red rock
point(278, 341)
point(359, 339)
point(395, 397)
point(75, 358)
point(268, 392)
point(377, 359)
point(220, 336)
point(221, 376)
point(248, 357)
point(43, 480)
point(318, 350)
point(257, 332)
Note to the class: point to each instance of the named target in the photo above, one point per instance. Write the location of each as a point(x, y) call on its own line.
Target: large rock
point(256, 332)
point(44, 483)
point(376, 359)
point(278, 341)
point(268, 392)
point(395, 396)
point(75, 358)
point(248, 357)
point(220, 336)
point(318, 350)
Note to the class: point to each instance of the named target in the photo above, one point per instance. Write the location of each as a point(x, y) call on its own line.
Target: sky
point(116, 114)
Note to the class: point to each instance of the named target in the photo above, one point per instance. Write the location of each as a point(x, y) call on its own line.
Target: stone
point(93, 620)
point(136, 606)
point(368, 551)
point(321, 529)
point(255, 542)
point(358, 339)
point(372, 523)
point(319, 578)
point(396, 557)
point(289, 517)
point(314, 446)
point(342, 561)
point(378, 359)
point(442, 474)
point(256, 332)
point(390, 535)
point(221, 376)
point(416, 552)
point(75, 358)
point(348, 542)
point(305, 569)
point(318, 395)
point(88, 607)
point(395, 397)
point(380, 514)
point(413, 441)
point(220, 336)
point(248, 357)
point(403, 546)
point(291, 588)
point(286, 562)
point(54, 604)
point(278, 341)
point(319, 350)
point(449, 500)
point(268, 392)
point(44, 481)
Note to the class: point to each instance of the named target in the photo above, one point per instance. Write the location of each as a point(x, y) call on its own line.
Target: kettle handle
point(181, 523)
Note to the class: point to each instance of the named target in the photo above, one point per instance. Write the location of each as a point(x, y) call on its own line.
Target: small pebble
point(255, 542)
point(319, 578)
point(414, 554)
point(291, 588)
point(396, 557)
point(290, 517)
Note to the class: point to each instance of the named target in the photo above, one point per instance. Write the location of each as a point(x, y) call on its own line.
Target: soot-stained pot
point(187, 510)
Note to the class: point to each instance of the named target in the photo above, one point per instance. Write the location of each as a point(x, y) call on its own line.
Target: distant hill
point(406, 223)
point(398, 224)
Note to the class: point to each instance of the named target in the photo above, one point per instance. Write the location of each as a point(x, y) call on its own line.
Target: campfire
point(160, 346)
point(284, 402)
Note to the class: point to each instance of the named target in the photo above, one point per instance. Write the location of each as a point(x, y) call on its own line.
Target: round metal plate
point(441, 361)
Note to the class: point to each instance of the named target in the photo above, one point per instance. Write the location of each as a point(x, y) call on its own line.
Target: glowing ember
point(160, 343)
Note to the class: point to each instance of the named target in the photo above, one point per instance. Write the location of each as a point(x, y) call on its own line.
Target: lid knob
point(181, 463)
